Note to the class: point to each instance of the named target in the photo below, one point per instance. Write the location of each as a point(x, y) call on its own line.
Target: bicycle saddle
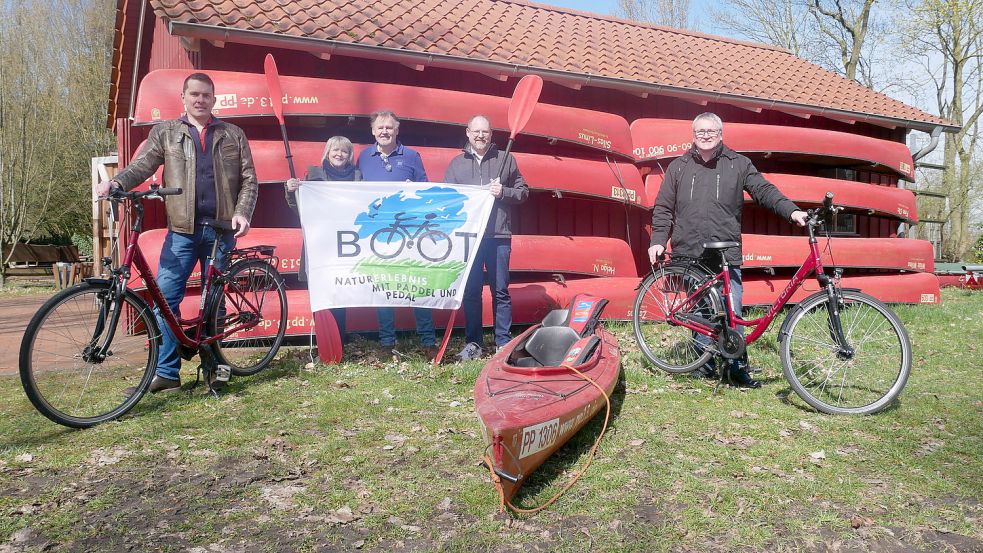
point(720, 245)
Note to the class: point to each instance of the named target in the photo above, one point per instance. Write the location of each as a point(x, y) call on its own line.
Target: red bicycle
point(842, 351)
point(89, 354)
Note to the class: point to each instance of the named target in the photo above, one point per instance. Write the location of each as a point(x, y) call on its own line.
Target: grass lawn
point(383, 455)
point(17, 287)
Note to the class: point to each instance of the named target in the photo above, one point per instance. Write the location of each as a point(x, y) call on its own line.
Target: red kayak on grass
point(528, 399)
point(810, 191)
point(656, 139)
point(247, 95)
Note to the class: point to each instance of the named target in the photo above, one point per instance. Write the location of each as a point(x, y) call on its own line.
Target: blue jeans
point(178, 257)
point(737, 293)
point(424, 326)
point(493, 254)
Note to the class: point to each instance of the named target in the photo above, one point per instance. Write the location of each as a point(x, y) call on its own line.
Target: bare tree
point(669, 13)
point(844, 36)
point(845, 25)
point(946, 36)
point(53, 88)
point(782, 23)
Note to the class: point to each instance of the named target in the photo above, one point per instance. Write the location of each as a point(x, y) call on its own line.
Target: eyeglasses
point(479, 132)
point(707, 132)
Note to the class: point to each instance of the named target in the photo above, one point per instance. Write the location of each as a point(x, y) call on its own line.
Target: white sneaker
point(470, 352)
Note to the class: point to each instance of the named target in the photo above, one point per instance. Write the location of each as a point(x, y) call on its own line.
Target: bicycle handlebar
point(828, 201)
point(153, 193)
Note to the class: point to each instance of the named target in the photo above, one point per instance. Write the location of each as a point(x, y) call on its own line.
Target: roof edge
point(384, 53)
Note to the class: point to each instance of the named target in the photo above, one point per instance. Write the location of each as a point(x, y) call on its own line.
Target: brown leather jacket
point(170, 143)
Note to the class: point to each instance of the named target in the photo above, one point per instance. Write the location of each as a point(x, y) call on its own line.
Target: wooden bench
point(62, 262)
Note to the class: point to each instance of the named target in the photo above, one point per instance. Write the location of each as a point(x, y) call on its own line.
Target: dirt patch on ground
point(17, 312)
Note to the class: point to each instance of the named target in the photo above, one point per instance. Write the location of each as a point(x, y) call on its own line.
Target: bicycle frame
point(133, 256)
point(812, 263)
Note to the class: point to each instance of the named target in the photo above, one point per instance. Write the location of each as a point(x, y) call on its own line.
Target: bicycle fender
point(137, 298)
point(798, 307)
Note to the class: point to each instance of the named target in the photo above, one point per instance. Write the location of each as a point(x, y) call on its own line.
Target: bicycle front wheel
point(57, 371)
point(837, 382)
point(254, 291)
point(668, 346)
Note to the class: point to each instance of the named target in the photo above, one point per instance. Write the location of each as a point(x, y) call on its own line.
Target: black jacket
point(465, 169)
point(702, 201)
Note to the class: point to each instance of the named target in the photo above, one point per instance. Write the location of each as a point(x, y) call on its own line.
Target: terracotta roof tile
point(546, 37)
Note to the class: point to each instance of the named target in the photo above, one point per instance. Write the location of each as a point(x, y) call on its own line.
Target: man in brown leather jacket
point(210, 160)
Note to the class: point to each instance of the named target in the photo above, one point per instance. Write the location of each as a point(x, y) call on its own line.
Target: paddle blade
point(329, 346)
point(447, 338)
point(273, 84)
point(524, 101)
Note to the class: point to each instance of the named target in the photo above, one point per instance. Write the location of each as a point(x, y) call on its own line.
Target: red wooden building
point(615, 110)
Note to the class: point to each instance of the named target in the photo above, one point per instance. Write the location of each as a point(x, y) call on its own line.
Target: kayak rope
point(503, 503)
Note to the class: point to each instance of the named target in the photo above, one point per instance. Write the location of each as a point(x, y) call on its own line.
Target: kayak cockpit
point(565, 338)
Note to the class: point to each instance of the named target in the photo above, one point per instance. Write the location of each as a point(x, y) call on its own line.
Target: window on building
point(844, 224)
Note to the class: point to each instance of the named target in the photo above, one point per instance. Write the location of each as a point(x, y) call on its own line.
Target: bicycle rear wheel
point(668, 346)
point(254, 291)
point(56, 376)
point(833, 382)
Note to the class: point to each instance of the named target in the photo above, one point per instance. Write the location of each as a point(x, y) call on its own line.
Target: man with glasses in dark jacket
point(481, 164)
point(701, 200)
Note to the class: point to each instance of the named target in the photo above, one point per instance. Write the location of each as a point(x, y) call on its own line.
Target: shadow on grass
point(570, 454)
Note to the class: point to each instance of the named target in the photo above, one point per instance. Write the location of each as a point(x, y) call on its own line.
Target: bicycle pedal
point(223, 373)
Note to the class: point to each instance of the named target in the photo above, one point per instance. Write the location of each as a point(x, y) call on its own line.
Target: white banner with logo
point(390, 243)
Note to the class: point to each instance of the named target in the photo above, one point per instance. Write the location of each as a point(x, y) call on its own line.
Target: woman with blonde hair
point(337, 164)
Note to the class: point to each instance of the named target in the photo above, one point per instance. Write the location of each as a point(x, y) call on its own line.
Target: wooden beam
point(799, 114)
point(497, 76)
point(191, 44)
point(842, 119)
point(414, 66)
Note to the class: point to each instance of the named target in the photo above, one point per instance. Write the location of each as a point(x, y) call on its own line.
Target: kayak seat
point(548, 345)
point(556, 317)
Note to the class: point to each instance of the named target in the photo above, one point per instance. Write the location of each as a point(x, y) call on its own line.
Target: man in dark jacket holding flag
point(700, 201)
point(481, 164)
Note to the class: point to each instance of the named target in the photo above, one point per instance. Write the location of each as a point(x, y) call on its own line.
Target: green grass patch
point(382, 454)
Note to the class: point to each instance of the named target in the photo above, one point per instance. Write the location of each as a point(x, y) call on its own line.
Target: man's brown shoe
point(158, 384)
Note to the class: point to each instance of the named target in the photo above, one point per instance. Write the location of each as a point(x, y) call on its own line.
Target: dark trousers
point(492, 256)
